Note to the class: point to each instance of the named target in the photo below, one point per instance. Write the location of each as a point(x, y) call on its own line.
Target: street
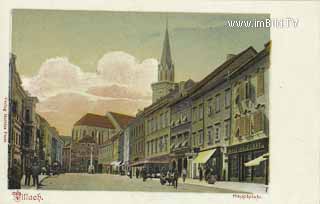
point(107, 182)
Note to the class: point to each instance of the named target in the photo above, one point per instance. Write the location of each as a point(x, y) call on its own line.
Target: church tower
point(165, 71)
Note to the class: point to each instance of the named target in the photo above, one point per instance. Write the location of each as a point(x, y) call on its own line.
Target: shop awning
point(257, 161)
point(116, 163)
point(204, 156)
point(178, 145)
point(185, 143)
point(172, 146)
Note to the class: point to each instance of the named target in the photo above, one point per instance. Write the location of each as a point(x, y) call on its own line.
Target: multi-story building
point(157, 132)
point(17, 97)
point(211, 116)
point(136, 132)
point(66, 157)
point(57, 147)
point(45, 141)
point(30, 136)
point(127, 148)
point(250, 119)
point(180, 129)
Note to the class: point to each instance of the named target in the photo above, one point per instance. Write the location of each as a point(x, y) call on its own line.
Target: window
point(161, 121)
point(258, 121)
point(209, 106)
point(227, 129)
point(194, 135)
point(217, 103)
point(209, 135)
point(201, 137)
point(217, 132)
point(166, 143)
point(156, 145)
point(194, 114)
point(247, 89)
point(260, 83)
point(227, 98)
point(201, 111)
point(28, 117)
point(161, 144)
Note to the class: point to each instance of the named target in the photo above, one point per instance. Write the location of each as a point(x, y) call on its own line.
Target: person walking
point(137, 173)
point(184, 174)
point(35, 173)
point(27, 175)
point(200, 174)
point(130, 173)
point(175, 179)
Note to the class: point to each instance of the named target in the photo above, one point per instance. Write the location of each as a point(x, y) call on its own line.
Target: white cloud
point(58, 75)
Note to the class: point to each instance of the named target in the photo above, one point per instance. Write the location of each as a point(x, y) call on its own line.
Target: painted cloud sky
point(121, 83)
point(96, 61)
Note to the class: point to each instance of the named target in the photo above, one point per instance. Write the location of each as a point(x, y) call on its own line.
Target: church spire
point(166, 59)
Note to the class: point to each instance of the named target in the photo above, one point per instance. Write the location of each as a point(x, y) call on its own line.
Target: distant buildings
point(30, 135)
point(105, 133)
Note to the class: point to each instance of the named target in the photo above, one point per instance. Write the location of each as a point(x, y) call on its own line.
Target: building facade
point(181, 129)
point(250, 118)
point(81, 152)
point(17, 97)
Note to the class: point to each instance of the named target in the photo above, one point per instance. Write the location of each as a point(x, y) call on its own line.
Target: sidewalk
point(236, 186)
point(41, 178)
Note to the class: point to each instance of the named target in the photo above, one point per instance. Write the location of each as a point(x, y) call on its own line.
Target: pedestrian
point(175, 179)
point(184, 174)
point(144, 174)
point(28, 172)
point(15, 175)
point(200, 174)
point(35, 173)
point(137, 173)
point(130, 173)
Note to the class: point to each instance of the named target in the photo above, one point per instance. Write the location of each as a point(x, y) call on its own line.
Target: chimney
point(229, 56)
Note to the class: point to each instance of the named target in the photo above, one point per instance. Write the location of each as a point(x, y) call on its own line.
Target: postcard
point(125, 103)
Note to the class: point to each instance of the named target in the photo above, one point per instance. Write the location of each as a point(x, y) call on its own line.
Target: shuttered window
point(247, 125)
point(242, 91)
point(237, 126)
point(258, 121)
point(260, 84)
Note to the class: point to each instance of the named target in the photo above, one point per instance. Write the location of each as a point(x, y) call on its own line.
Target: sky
point(97, 61)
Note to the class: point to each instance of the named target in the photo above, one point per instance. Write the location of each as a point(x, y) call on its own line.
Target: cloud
point(59, 75)
point(120, 83)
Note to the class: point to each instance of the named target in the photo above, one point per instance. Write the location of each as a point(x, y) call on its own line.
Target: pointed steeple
point(166, 60)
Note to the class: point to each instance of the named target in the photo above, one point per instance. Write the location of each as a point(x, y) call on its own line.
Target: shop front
point(206, 160)
point(248, 162)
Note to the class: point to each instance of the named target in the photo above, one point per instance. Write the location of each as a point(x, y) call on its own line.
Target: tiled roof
point(94, 120)
point(122, 119)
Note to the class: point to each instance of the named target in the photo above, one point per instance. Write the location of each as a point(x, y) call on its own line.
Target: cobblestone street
point(118, 183)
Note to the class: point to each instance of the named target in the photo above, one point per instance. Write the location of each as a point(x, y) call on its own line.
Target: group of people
point(208, 174)
point(33, 170)
point(15, 174)
point(140, 173)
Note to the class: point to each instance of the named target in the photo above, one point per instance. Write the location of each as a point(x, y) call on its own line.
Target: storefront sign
point(261, 144)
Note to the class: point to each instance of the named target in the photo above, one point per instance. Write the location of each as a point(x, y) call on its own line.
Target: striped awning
point(204, 156)
point(257, 161)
